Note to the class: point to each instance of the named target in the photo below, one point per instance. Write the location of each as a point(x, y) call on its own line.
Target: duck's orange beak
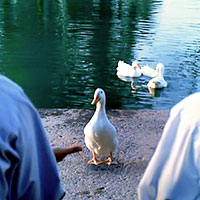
point(95, 100)
point(138, 66)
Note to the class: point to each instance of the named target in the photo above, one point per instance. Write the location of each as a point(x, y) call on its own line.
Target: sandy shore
point(139, 132)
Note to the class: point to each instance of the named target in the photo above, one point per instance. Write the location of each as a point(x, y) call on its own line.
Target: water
point(60, 51)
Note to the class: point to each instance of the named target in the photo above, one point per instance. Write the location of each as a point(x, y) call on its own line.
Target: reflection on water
point(61, 51)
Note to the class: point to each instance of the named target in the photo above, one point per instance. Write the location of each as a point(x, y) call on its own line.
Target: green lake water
point(60, 51)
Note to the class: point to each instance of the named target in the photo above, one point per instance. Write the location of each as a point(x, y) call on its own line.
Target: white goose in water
point(124, 69)
point(148, 71)
point(157, 82)
point(100, 134)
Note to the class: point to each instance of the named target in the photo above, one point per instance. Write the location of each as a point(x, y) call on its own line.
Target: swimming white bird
point(157, 82)
point(100, 134)
point(124, 69)
point(148, 71)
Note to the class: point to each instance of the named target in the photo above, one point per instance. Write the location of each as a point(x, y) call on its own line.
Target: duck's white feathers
point(124, 69)
point(158, 82)
point(148, 71)
point(100, 134)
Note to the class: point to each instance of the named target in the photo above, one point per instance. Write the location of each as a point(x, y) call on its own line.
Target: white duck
point(124, 69)
point(148, 71)
point(157, 82)
point(100, 134)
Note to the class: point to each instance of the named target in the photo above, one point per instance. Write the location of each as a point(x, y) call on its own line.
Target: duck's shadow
point(116, 166)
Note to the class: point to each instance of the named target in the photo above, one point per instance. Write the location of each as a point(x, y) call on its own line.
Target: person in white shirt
point(174, 170)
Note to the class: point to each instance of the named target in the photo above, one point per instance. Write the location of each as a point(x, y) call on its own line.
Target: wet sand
point(138, 131)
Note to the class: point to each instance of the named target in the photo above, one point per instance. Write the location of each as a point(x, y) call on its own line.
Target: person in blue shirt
point(174, 170)
point(28, 168)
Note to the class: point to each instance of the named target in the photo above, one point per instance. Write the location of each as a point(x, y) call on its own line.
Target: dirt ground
point(138, 131)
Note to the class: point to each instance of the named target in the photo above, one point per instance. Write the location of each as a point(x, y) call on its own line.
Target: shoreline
point(138, 132)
